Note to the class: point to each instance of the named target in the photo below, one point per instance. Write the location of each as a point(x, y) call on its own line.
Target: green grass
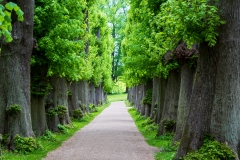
point(116, 97)
point(149, 130)
point(51, 145)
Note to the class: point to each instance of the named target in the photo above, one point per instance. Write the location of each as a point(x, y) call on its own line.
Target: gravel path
point(112, 135)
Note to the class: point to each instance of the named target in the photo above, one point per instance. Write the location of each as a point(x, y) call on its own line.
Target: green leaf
point(10, 6)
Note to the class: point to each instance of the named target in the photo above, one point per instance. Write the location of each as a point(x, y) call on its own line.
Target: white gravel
point(112, 135)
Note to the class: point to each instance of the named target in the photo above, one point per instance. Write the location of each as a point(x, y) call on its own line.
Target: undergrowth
point(149, 128)
point(50, 141)
point(211, 149)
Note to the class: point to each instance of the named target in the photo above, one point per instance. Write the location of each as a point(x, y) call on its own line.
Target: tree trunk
point(83, 95)
point(198, 120)
point(62, 100)
point(215, 97)
point(38, 114)
point(58, 97)
point(15, 75)
point(50, 107)
point(187, 75)
point(0, 144)
point(161, 92)
point(73, 98)
point(154, 97)
point(147, 107)
point(224, 118)
point(170, 103)
point(139, 104)
point(39, 89)
point(98, 93)
point(92, 98)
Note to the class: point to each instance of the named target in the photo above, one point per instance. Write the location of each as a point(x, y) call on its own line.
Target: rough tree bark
point(99, 96)
point(61, 99)
point(92, 97)
point(154, 98)
point(170, 102)
point(83, 96)
point(73, 98)
point(224, 118)
point(187, 75)
point(215, 98)
point(161, 87)
point(15, 75)
point(139, 98)
point(184, 57)
point(147, 107)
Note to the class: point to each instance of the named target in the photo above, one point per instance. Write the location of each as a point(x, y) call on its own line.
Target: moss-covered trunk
point(169, 114)
point(61, 96)
point(57, 104)
point(187, 75)
point(15, 75)
point(50, 107)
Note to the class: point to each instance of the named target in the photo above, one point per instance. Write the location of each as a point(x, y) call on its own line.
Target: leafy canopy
point(5, 19)
point(156, 27)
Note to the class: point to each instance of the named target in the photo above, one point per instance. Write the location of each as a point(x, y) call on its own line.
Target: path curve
point(112, 135)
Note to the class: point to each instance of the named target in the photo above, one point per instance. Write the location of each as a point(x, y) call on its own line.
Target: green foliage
point(48, 135)
point(13, 109)
point(52, 112)
point(69, 92)
point(148, 98)
point(62, 129)
point(61, 33)
point(25, 145)
point(155, 28)
point(4, 139)
point(211, 149)
point(119, 87)
point(39, 88)
point(93, 108)
point(61, 111)
point(168, 123)
point(100, 49)
point(5, 19)
point(77, 114)
point(149, 130)
point(190, 21)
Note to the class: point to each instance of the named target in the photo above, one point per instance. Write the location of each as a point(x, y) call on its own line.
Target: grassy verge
point(117, 97)
point(49, 145)
point(149, 129)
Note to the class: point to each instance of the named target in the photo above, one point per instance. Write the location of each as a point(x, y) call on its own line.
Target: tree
point(15, 75)
point(116, 10)
point(215, 98)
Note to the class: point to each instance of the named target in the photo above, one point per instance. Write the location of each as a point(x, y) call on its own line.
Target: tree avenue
point(179, 58)
point(69, 53)
point(189, 52)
